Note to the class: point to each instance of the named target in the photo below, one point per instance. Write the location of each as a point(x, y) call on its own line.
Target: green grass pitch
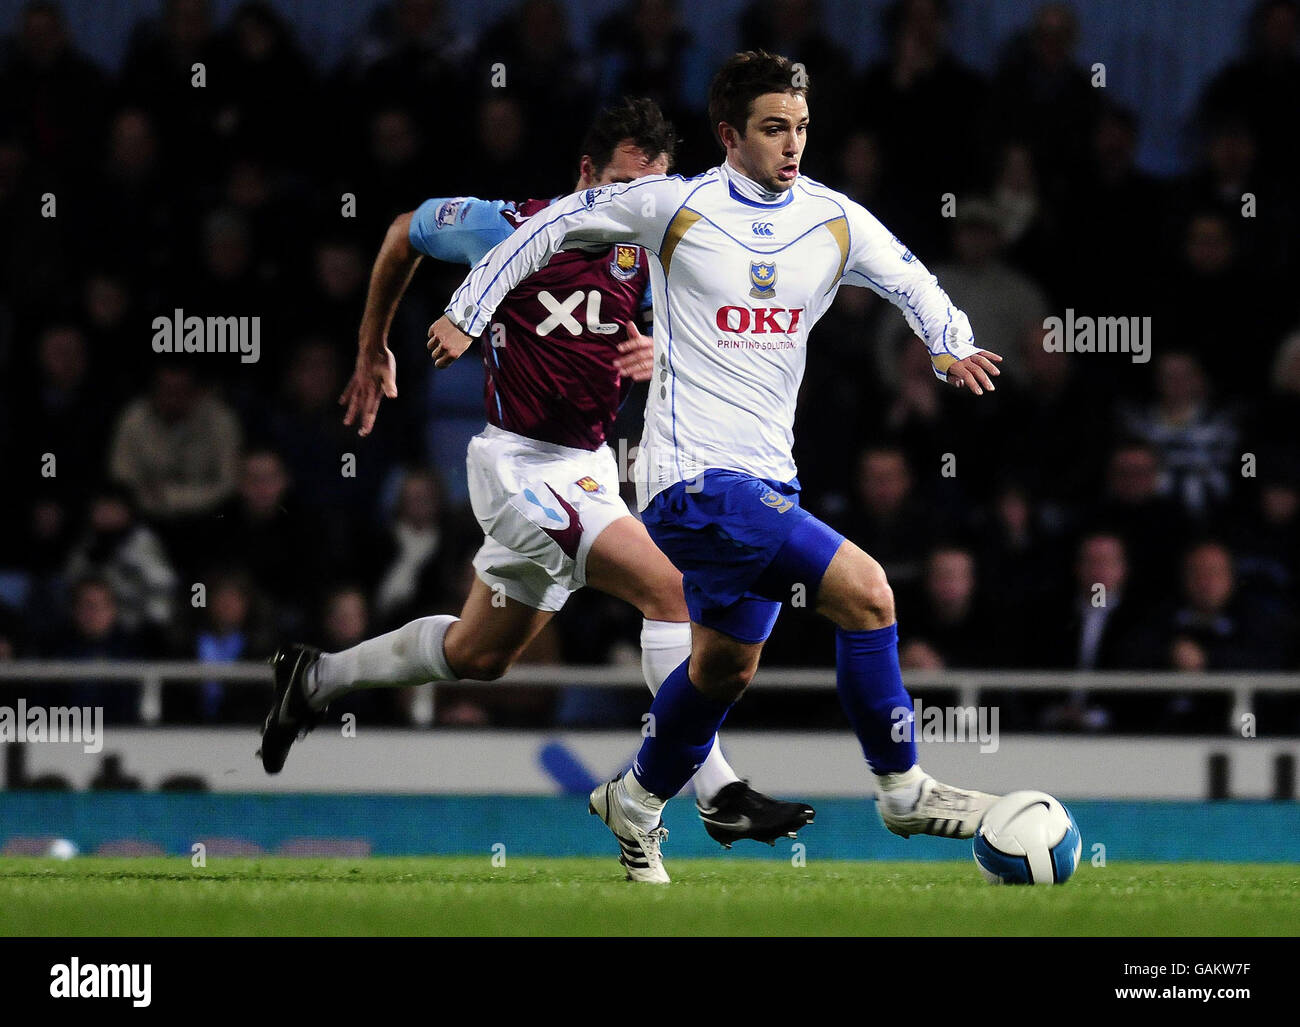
point(542, 896)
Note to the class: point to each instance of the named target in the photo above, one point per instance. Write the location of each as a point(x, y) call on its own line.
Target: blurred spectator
point(921, 83)
point(1044, 424)
point(860, 172)
point(1197, 443)
point(1199, 306)
point(414, 48)
point(232, 628)
point(1027, 222)
point(1265, 535)
point(95, 632)
point(1274, 420)
point(394, 178)
point(139, 202)
point(264, 97)
point(418, 559)
point(887, 519)
point(345, 621)
point(1041, 93)
point(1263, 87)
point(159, 76)
point(52, 94)
point(931, 426)
point(1099, 625)
point(328, 465)
point(1002, 303)
point(113, 327)
point(1229, 182)
point(177, 451)
point(645, 48)
point(1217, 625)
point(945, 626)
point(264, 528)
point(505, 163)
point(550, 79)
point(1110, 199)
point(65, 414)
point(1134, 504)
point(339, 290)
point(125, 553)
point(1017, 552)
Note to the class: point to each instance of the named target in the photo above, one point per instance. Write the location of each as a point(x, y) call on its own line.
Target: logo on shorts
point(762, 274)
point(550, 512)
point(589, 484)
point(777, 502)
point(623, 264)
point(565, 526)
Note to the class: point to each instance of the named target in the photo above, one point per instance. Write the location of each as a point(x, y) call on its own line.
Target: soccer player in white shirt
point(747, 257)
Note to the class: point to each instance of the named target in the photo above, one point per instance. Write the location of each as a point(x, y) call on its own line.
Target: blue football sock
point(871, 690)
point(685, 721)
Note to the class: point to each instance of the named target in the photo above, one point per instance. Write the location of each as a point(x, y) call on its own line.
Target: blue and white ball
point(1027, 838)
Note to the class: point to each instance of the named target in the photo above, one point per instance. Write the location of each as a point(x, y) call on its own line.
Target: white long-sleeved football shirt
point(737, 285)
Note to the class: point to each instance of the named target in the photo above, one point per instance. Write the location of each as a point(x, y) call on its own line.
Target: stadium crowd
point(199, 506)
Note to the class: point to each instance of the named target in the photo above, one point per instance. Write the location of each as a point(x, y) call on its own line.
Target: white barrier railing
point(967, 683)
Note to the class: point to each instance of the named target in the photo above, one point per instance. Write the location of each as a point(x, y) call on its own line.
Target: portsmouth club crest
point(762, 276)
point(624, 262)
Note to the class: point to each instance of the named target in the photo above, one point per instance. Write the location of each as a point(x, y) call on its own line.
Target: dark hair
point(745, 77)
point(639, 120)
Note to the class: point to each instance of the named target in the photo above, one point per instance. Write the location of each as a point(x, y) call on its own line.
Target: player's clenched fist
point(446, 342)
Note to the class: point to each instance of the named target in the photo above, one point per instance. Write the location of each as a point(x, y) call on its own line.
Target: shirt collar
point(746, 190)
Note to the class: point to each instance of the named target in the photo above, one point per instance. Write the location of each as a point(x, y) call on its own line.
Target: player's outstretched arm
point(455, 229)
point(878, 260)
point(635, 212)
point(375, 374)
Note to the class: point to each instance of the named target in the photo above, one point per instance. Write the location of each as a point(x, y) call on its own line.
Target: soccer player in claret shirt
point(561, 355)
point(743, 260)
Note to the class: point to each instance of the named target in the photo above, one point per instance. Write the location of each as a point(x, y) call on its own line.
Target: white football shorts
point(541, 506)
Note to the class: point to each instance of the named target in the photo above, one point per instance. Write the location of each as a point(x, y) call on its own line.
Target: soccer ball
point(1027, 838)
point(61, 848)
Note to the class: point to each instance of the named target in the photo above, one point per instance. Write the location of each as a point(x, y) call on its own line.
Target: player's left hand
point(973, 372)
point(636, 359)
point(446, 342)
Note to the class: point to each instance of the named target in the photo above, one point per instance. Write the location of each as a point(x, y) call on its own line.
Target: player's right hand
point(374, 377)
point(974, 372)
point(446, 342)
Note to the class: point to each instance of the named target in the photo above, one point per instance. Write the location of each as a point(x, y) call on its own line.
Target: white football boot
point(638, 849)
point(939, 809)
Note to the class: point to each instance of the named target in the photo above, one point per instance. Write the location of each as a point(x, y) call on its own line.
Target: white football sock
point(664, 645)
point(411, 655)
point(643, 808)
point(901, 790)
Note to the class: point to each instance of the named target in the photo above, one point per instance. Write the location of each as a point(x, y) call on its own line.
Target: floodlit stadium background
point(1093, 159)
